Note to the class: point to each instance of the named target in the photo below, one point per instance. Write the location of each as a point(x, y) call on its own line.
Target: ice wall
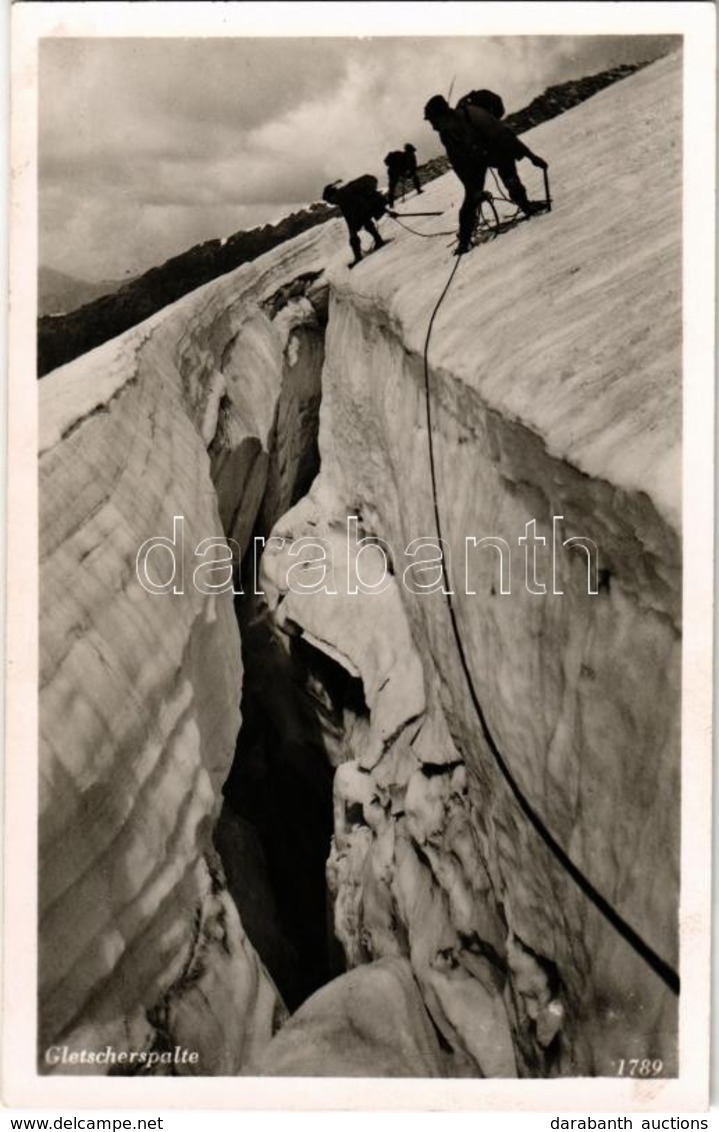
point(554, 371)
point(166, 432)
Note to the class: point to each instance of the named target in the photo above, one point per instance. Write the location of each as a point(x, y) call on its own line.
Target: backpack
point(365, 187)
point(362, 186)
point(486, 99)
point(489, 139)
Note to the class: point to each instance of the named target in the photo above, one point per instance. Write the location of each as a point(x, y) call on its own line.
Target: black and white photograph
point(360, 554)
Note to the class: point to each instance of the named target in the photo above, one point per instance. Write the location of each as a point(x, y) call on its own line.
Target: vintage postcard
point(360, 511)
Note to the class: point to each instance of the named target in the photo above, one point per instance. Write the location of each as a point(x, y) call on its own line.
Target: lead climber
point(475, 140)
point(401, 164)
point(361, 204)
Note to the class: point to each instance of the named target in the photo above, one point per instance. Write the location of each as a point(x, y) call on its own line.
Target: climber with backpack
point(475, 140)
point(361, 204)
point(401, 164)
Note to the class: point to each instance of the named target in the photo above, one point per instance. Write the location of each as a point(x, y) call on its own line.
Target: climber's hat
point(329, 193)
point(436, 106)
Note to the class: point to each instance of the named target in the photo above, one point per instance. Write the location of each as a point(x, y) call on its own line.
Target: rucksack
point(486, 99)
point(365, 187)
point(487, 138)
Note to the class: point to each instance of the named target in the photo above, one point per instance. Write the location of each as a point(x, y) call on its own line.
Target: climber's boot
point(518, 196)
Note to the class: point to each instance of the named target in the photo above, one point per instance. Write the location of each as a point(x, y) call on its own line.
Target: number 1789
point(639, 1067)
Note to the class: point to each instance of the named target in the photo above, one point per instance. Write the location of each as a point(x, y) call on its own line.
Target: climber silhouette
point(401, 163)
point(475, 140)
point(360, 203)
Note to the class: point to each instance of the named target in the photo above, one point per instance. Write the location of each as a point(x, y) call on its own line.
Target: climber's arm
point(523, 150)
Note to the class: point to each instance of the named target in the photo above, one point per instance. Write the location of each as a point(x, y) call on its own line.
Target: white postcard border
point(22, 1085)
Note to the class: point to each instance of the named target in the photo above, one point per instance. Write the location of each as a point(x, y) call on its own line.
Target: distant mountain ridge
point(62, 338)
point(59, 293)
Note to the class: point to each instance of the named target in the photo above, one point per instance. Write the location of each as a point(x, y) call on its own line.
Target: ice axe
point(400, 215)
point(546, 190)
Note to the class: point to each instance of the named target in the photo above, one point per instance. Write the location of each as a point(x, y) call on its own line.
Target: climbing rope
point(499, 195)
point(661, 968)
point(492, 228)
point(424, 235)
point(489, 227)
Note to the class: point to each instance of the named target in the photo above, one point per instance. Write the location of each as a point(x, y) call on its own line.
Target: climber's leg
point(515, 189)
point(378, 241)
point(355, 245)
point(468, 212)
point(392, 191)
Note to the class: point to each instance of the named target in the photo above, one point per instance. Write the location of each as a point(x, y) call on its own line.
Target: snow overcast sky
point(148, 146)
